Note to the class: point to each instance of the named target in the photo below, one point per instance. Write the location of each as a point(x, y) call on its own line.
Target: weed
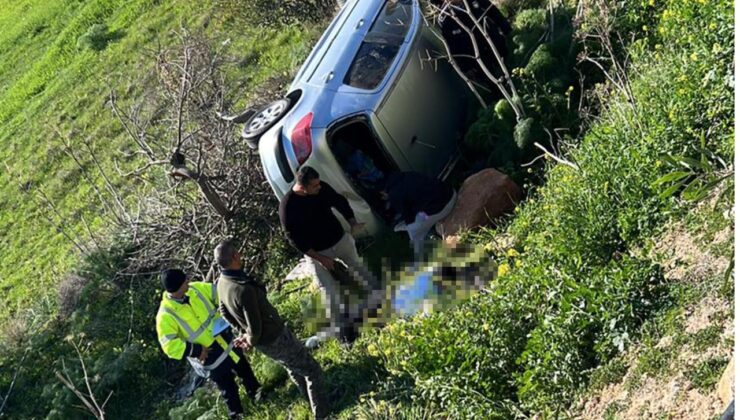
point(705, 375)
point(612, 372)
point(706, 338)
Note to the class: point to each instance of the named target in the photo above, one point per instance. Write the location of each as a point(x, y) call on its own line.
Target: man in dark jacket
point(244, 304)
point(418, 202)
point(312, 228)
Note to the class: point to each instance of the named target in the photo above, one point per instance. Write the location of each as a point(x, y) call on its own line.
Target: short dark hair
point(305, 175)
point(224, 253)
point(172, 279)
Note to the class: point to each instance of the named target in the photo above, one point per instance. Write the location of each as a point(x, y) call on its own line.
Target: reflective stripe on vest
point(167, 338)
point(221, 358)
point(192, 335)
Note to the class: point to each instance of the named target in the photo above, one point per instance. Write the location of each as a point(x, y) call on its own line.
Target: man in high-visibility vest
point(190, 326)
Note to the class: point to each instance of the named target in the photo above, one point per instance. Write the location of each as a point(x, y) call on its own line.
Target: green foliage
point(96, 38)
point(528, 28)
point(705, 375)
point(112, 326)
point(610, 373)
point(504, 112)
point(574, 290)
point(696, 176)
point(527, 132)
point(541, 64)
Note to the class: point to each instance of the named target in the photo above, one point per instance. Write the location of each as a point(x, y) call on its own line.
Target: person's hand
point(327, 262)
point(357, 228)
point(241, 342)
point(203, 354)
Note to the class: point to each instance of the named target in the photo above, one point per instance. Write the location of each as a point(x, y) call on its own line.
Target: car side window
point(381, 45)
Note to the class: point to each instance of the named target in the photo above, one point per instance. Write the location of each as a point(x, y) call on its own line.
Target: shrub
point(542, 64)
point(96, 38)
point(527, 132)
point(528, 28)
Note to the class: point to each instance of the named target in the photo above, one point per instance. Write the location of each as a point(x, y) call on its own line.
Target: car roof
point(328, 97)
point(329, 60)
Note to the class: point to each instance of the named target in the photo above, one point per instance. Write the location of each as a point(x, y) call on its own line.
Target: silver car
point(367, 101)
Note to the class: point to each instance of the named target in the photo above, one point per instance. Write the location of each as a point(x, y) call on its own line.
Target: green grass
point(47, 82)
point(705, 375)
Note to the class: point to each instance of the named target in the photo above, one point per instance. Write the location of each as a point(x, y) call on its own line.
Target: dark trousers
point(224, 376)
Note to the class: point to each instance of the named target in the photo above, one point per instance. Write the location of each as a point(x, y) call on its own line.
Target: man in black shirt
point(312, 228)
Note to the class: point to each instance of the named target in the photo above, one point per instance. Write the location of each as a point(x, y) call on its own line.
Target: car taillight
point(300, 139)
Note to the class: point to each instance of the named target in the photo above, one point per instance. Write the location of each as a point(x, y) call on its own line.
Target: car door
point(424, 108)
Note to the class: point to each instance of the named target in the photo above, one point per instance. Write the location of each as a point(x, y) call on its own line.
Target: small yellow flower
point(486, 327)
point(712, 26)
point(372, 349)
point(694, 57)
point(716, 48)
point(651, 3)
point(503, 269)
point(518, 263)
point(512, 253)
point(644, 28)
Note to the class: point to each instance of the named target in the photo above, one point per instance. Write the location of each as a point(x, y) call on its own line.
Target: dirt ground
point(672, 396)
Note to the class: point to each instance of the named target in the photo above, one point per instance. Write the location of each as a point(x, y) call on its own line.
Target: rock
point(483, 197)
point(303, 270)
point(726, 384)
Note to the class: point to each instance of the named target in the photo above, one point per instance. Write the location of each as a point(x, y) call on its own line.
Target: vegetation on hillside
point(577, 284)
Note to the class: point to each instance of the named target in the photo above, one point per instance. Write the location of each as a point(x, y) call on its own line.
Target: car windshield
point(380, 46)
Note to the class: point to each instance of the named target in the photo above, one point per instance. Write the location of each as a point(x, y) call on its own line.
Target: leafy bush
point(528, 28)
point(96, 38)
point(543, 67)
point(542, 63)
point(527, 132)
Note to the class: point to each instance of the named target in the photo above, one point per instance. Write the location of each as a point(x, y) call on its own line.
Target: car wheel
point(263, 119)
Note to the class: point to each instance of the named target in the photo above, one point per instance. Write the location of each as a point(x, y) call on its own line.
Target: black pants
point(225, 378)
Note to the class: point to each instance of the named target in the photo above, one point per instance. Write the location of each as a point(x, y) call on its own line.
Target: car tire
point(264, 119)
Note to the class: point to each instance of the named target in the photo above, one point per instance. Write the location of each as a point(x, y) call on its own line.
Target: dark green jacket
point(244, 304)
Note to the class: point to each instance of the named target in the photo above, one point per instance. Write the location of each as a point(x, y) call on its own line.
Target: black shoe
point(348, 335)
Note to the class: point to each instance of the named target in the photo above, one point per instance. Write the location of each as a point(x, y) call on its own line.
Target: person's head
point(307, 181)
point(174, 282)
point(227, 255)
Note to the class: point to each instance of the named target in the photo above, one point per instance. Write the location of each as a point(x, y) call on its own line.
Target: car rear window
point(380, 46)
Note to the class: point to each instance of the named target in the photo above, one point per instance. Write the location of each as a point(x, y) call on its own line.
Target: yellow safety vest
point(179, 323)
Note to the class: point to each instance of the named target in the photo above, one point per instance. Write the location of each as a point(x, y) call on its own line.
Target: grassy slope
point(46, 81)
